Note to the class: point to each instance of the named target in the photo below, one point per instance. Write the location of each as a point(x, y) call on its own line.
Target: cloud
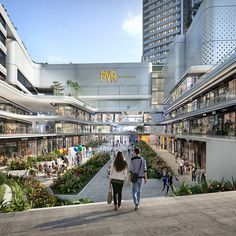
point(132, 25)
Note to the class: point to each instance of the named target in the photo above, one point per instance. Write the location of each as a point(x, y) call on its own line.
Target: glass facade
point(21, 78)
point(219, 94)
point(223, 124)
point(2, 38)
point(2, 21)
point(183, 86)
point(2, 58)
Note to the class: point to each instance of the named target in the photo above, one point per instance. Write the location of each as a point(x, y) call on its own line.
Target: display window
point(32, 147)
point(147, 117)
point(107, 117)
point(98, 117)
point(22, 148)
point(42, 146)
point(118, 118)
point(229, 124)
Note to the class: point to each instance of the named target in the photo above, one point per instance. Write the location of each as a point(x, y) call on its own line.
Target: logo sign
point(108, 75)
point(111, 76)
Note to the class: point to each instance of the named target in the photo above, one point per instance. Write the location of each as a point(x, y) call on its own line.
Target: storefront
point(69, 142)
point(42, 146)
point(22, 148)
point(8, 149)
point(32, 148)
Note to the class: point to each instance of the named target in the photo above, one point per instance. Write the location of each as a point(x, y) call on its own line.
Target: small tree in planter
point(139, 129)
point(74, 85)
point(57, 88)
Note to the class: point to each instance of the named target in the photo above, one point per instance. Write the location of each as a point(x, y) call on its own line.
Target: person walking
point(118, 174)
point(165, 178)
point(194, 169)
point(198, 174)
point(170, 182)
point(138, 166)
point(129, 151)
point(181, 165)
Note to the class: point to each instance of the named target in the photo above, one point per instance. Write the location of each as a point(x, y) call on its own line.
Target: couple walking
point(119, 173)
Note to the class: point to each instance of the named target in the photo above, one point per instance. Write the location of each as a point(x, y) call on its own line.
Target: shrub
point(29, 193)
point(3, 178)
point(184, 189)
point(196, 189)
point(19, 201)
point(154, 163)
point(3, 206)
point(74, 180)
point(234, 183)
point(206, 187)
point(64, 202)
point(37, 194)
point(18, 165)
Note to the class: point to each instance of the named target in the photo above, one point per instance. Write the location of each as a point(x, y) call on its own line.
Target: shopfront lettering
point(108, 75)
point(111, 76)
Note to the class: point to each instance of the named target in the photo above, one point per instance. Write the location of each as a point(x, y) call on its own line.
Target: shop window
point(2, 58)
point(2, 21)
point(2, 38)
point(223, 93)
point(232, 89)
point(229, 124)
point(2, 76)
point(21, 78)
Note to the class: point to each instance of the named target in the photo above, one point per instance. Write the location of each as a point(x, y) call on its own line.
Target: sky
point(79, 31)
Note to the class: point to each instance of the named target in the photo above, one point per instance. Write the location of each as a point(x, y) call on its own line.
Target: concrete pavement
point(170, 160)
point(206, 214)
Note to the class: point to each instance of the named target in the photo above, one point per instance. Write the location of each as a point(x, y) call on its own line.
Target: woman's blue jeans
point(136, 190)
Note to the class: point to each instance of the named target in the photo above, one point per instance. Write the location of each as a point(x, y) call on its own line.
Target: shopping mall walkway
point(97, 188)
point(208, 214)
point(170, 160)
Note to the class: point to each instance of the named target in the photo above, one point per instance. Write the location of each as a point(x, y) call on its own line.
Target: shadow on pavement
point(82, 219)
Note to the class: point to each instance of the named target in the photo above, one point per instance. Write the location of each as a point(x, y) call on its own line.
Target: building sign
point(111, 76)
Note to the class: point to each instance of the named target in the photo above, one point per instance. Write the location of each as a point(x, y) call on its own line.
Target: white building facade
point(200, 92)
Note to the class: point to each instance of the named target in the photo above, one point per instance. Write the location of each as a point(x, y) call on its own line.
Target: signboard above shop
point(112, 76)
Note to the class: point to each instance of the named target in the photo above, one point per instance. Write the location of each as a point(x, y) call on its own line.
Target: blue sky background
point(79, 31)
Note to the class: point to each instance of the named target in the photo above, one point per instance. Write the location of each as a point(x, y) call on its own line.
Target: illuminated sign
point(111, 76)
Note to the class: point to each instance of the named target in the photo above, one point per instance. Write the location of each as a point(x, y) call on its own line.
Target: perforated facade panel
point(212, 34)
point(175, 67)
point(210, 38)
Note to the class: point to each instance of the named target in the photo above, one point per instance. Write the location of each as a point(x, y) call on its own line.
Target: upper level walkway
point(207, 214)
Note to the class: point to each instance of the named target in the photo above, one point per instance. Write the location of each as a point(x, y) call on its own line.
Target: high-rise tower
point(162, 21)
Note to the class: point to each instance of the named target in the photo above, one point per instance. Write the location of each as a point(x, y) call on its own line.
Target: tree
point(139, 129)
point(57, 88)
point(74, 85)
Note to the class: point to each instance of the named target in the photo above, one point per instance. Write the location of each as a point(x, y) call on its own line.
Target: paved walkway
point(97, 188)
point(170, 160)
point(208, 214)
